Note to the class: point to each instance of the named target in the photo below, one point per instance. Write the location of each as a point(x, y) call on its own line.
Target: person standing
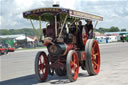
point(89, 27)
point(79, 36)
point(80, 26)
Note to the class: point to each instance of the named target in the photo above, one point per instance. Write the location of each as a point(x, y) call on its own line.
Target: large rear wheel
point(92, 57)
point(72, 65)
point(41, 66)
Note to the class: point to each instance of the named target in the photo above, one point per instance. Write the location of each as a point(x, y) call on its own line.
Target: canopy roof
point(35, 13)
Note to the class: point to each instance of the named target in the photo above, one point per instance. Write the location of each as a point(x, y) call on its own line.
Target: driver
point(89, 27)
point(80, 27)
point(51, 29)
point(79, 37)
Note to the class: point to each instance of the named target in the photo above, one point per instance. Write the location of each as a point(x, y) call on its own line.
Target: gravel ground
point(18, 68)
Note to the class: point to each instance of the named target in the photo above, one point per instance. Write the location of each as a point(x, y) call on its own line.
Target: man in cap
point(89, 27)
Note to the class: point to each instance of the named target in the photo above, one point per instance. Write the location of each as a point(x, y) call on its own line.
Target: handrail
point(56, 26)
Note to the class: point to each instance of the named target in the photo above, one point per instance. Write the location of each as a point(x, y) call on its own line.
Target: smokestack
point(55, 5)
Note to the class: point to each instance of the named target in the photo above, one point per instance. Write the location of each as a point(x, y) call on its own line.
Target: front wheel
point(72, 65)
point(92, 57)
point(41, 66)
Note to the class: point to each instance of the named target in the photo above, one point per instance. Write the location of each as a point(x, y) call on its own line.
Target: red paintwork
point(69, 47)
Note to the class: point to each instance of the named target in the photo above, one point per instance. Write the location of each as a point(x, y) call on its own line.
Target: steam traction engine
point(65, 59)
point(64, 55)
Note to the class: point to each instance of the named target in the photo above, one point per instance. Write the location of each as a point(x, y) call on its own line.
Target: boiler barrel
point(59, 49)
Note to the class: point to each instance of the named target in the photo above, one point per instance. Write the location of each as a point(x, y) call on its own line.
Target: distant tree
point(28, 31)
point(123, 30)
point(114, 29)
point(4, 32)
point(102, 30)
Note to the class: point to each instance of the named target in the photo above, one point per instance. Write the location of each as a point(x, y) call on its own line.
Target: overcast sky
point(114, 12)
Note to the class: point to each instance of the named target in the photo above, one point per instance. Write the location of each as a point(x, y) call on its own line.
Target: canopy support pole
point(72, 22)
point(96, 24)
point(34, 29)
point(56, 25)
point(95, 29)
point(41, 34)
point(63, 26)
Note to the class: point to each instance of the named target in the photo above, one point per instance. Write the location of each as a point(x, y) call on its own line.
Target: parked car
point(11, 49)
point(124, 37)
point(3, 50)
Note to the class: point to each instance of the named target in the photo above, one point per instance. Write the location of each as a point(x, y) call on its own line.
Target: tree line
point(26, 31)
point(31, 32)
point(111, 29)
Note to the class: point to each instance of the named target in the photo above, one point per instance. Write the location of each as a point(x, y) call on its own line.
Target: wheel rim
point(74, 65)
point(95, 57)
point(43, 66)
